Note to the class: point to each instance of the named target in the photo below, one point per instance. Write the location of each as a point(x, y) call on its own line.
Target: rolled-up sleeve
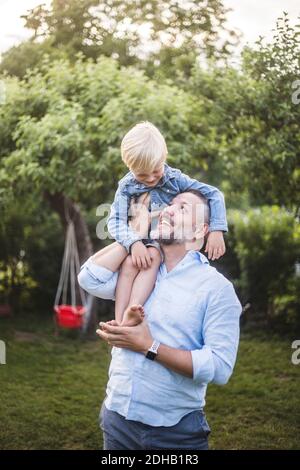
point(117, 221)
point(97, 280)
point(214, 362)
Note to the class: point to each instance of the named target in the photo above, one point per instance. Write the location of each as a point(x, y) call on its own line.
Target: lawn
point(51, 390)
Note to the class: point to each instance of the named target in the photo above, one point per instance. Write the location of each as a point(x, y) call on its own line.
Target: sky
point(252, 17)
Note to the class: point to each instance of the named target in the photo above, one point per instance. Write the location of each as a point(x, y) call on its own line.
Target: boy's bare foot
point(133, 315)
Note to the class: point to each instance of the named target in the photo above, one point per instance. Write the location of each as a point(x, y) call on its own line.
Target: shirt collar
point(195, 255)
point(200, 256)
point(168, 173)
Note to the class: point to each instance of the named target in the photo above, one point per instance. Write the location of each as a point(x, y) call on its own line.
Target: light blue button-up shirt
point(192, 307)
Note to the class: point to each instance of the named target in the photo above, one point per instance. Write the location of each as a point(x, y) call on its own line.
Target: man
point(160, 368)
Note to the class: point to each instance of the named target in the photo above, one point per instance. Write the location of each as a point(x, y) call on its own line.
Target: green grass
point(51, 390)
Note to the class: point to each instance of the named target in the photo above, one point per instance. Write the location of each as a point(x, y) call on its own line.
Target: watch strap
point(152, 351)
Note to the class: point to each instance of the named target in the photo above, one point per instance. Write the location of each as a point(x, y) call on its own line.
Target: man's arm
point(138, 338)
point(99, 274)
point(178, 360)
point(98, 280)
point(214, 362)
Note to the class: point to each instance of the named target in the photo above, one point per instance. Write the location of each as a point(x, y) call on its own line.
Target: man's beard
point(171, 240)
point(168, 239)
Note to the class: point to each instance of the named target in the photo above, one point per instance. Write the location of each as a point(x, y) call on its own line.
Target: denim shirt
point(192, 307)
point(172, 183)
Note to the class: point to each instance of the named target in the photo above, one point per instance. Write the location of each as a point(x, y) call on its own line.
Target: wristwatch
point(152, 352)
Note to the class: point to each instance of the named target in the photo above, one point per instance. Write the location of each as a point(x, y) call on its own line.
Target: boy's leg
point(142, 287)
point(115, 257)
point(145, 280)
point(110, 257)
point(128, 273)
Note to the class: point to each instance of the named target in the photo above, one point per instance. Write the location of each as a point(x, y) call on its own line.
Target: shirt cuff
point(98, 272)
point(127, 244)
point(218, 226)
point(203, 365)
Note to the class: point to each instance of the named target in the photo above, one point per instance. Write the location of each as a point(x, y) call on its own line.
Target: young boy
point(154, 184)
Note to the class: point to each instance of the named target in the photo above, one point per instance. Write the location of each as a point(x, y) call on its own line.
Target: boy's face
point(150, 178)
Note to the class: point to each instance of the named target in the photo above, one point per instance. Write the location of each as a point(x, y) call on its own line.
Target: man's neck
point(173, 254)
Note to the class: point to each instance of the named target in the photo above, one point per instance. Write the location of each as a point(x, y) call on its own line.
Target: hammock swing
point(68, 314)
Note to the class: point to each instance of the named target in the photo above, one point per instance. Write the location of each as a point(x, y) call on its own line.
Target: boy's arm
point(218, 221)
point(117, 222)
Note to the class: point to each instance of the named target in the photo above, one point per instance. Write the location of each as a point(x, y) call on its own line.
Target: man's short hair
point(204, 204)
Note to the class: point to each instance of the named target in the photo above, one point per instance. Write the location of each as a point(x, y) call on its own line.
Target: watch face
point(151, 355)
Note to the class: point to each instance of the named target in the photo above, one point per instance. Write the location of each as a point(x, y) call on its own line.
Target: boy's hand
point(140, 215)
point(215, 245)
point(140, 255)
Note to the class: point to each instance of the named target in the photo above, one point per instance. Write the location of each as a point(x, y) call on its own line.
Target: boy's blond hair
point(143, 147)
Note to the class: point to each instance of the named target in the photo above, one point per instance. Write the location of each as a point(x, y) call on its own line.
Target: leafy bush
point(266, 244)
point(31, 248)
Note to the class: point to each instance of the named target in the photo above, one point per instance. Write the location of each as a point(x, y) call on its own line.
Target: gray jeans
point(191, 432)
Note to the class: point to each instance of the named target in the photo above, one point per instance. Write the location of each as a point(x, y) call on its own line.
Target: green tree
point(61, 128)
point(164, 34)
point(254, 120)
point(27, 55)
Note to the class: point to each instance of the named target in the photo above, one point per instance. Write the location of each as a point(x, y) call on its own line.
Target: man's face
point(178, 222)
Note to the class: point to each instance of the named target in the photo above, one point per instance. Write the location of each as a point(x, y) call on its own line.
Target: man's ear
point(201, 231)
point(199, 234)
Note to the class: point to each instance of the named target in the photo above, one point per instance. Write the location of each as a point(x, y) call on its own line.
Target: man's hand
point(136, 338)
point(215, 245)
point(140, 255)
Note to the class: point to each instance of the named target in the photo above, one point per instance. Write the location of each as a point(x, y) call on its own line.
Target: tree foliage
point(151, 33)
point(254, 120)
point(61, 127)
point(266, 244)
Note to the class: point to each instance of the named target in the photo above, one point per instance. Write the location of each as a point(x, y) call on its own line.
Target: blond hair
point(143, 147)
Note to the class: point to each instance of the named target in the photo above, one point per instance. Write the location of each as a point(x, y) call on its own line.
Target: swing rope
point(70, 269)
point(68, 276)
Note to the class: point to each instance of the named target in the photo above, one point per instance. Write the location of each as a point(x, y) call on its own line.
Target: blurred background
point(221, 80)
